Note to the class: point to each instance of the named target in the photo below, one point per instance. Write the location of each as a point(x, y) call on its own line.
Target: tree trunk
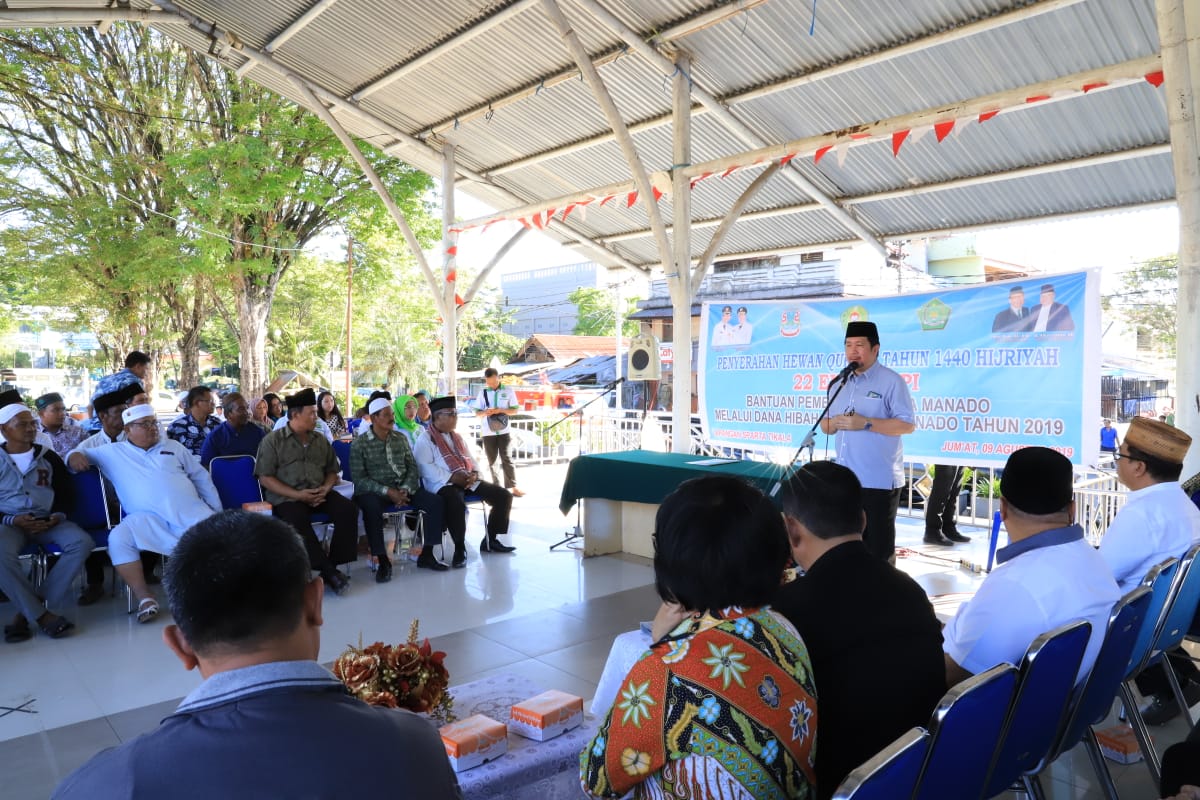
point(253, 309)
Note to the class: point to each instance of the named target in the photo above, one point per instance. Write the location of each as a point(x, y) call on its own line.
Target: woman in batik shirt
point(723, 703)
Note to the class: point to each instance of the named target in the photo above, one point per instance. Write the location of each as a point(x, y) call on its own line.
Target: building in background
point(538, 297)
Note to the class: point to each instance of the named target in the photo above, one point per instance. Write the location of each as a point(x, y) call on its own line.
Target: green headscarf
point(403, 422)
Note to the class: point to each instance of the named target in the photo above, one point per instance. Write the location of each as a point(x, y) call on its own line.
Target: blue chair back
point(91, 501)
point(1094, 700)
point(1181, 608)
point(1044, 688)
point(889, 774)
point(1160, 580)
point(343, 453)
point(965, 729)
point(233, 476)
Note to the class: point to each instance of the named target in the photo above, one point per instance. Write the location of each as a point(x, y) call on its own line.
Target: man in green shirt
point(385, 474)
point(298, 469)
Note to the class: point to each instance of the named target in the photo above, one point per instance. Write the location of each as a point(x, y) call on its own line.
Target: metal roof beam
point(297, 25)
point(841, 67)
point(17, 18)
point(482, 26)
point(740, 129)
point(178, 15)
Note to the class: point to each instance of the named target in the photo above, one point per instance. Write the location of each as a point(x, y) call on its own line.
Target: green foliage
point(1149, 298)
point(596, 315)
point(481, 334)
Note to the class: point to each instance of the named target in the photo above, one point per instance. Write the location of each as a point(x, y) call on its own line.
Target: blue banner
point(991, 368)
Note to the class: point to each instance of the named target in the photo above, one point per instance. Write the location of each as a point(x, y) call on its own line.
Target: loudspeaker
point(644, 363)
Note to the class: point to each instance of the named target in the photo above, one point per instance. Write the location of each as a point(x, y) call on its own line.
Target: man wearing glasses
point(1157, 522)
point(448, 469)
point(163, 490)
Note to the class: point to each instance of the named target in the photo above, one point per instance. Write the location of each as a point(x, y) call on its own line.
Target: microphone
point(845, 373)
point(617, 382)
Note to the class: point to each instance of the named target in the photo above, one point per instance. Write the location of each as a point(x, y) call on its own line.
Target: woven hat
point(1158, 439)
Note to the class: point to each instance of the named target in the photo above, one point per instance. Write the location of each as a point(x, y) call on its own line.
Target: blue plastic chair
point(1044, 688)
point(1173, 622)
point(1094, 700)
point(342, 449)
point(965, 729)
point(233, 476)
point(891, 773)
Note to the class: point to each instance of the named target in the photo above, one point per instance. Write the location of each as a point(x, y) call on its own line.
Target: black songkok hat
point(47, 399)
point(442, 404)
point(117, 397)
point(866, 329)
point(10, 397)
point(1038, 480)
point(302, 399)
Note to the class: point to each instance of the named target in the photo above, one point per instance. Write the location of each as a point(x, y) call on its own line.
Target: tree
point(162, 181)
point(1149, 298)
point(596, 316)
point(481, 335)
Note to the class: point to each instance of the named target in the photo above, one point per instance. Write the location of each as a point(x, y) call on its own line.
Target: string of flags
point(839, 145)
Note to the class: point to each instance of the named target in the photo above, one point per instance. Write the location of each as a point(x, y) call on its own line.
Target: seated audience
point(137, 369)
point(236, 436)
point(267, 720)
point(275, 410)
point(723, 703)
point(109, 408)
point(849, 607)
point(319, 426)
point(1157, 522)
point(54, 421)
point(1047, 576)
point(424, 415)
point(298, 470)
point(163, 490)
point(35, 494)
point(258, 414)
point(447, 469)
point(13, 397)
point(331, 415)
point(193, 426)
point(385, 473)
point(404, 410)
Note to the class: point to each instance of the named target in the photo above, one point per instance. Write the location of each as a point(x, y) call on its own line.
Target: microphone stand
point(577, 533)
point(810, 438)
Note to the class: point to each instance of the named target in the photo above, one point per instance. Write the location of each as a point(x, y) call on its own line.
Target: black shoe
point(384, 573)
point(336, 581)
point(1162, 707)
point(91, 594)
point(494, 545)
point(460, 560)
point(955, 536)
point(429, 562)
point(937, 539)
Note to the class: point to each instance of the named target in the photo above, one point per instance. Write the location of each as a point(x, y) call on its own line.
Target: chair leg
point(1142, 732)
point(1177, 690)
point(1099, 765)
point(1033, 787)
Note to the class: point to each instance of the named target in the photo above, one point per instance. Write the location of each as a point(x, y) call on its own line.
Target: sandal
point(57, 627)
point(147, 610)
point(18, 632)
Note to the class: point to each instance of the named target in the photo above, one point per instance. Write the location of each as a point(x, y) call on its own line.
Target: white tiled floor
point(548, 615)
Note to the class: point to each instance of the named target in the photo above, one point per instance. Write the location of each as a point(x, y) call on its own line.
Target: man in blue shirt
point(236, 436)
point(268, 720)
point(869, 416)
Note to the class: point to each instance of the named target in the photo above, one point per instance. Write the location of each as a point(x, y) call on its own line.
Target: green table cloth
point(644, 476)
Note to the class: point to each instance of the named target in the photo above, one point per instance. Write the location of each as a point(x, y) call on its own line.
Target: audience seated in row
point(236, 436)
point(35, 494)
point(331, 415)
point(192, 427)
point(724, 703)
point(54, 421)
point(267, 720)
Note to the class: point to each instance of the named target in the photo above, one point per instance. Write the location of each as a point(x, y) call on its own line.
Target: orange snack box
point(474, 740)
point(546, 715)
point(1119, 744)
point(258, 508)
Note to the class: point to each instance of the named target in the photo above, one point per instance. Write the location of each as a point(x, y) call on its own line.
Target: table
point(529, 770)
point(623, 491)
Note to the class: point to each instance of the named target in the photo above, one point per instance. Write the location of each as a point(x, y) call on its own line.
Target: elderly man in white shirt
point(1158, 522)
point(163, 489)
point(448, 470)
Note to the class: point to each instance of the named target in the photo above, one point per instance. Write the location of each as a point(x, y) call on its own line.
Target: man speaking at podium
point(869, 416)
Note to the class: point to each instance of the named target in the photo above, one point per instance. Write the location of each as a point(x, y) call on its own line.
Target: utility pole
point(618, 312)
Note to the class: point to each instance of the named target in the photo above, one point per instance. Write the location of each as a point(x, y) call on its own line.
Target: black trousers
point(498, 445)
point(343, 547)
point(941, 507)
point(456, 510)
point(880, 506)
point(373, 506)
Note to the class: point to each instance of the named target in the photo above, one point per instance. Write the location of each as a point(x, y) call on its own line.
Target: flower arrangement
point(406, 675)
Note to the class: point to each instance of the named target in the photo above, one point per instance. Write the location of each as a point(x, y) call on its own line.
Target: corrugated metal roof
point(919, 55)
